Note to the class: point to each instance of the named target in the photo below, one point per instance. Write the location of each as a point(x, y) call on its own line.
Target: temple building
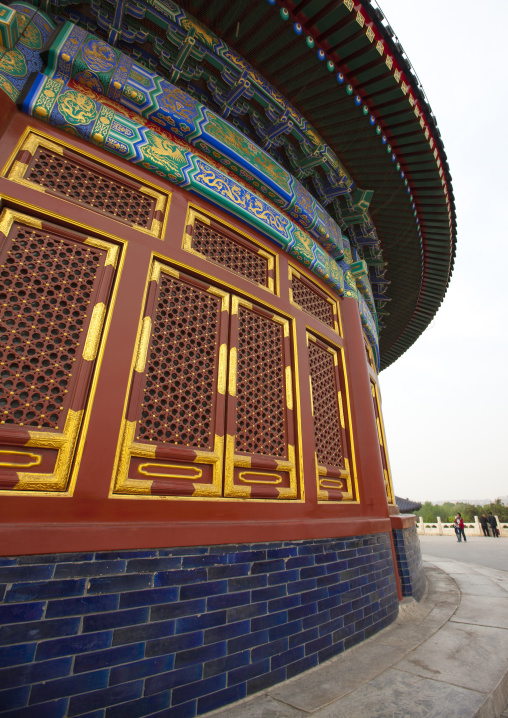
point(219, 221)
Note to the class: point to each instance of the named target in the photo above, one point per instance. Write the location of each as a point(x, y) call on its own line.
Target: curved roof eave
point(418, 244)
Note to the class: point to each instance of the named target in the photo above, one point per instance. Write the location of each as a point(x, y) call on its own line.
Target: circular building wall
point(196, 492)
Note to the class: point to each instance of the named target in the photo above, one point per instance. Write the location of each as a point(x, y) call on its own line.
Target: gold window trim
point(197, 214)
point(15, 171)
point(382, 442)
point(62, 481)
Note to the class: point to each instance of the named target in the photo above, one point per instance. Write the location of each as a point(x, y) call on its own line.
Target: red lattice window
point(47, 288)
point(230, 251)
point(260, 453)
point(326, 407)
point(180, 427)
point(261, 395)
point(175, 415)
point(179, 391)
point(91, 185)
point(54, 289)
point(312, 301)
point(332, 442)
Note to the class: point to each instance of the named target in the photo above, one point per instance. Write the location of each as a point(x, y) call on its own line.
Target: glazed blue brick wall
point(179, 632)
point(409, 562)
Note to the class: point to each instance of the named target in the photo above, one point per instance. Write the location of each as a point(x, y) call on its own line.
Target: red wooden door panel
point(56, 284)
point(172, 441)
point(260, 445)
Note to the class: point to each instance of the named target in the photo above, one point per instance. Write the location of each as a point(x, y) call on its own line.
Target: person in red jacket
point(459, 527)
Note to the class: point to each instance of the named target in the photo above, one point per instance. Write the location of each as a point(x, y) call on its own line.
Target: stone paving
point(446, 656)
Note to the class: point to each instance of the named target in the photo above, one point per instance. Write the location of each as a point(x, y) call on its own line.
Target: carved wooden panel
point(173, 433)
point(329, 413)
point(382, 443)
point(55, 285)
point(229, 249)
point(54, 169)
point(260, 450)
point(312, 300)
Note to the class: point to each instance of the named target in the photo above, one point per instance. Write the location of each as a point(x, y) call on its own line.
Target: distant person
point(456, 526)
point(485, 525)
point(459, 528)
point(493, 525)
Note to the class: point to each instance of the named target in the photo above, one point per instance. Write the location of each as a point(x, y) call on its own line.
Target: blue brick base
point(409, 562)
point(179, 632)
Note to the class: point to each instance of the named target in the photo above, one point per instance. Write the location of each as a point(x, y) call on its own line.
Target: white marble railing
point(438, 528)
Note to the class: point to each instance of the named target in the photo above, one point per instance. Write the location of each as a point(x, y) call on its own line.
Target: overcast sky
point(445, 401)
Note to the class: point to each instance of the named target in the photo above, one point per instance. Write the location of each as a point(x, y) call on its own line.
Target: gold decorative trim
point(289, 388)
point(223, 295)
point(142, 470)
point(94, 332)
point(35, 459)
point(283, 464)
point(9, 216)
point(232, 370)
point(341, 410)
point(332, 483)
point(57, 481)
point(223, 359)
point(123, 457)
point(244, 462)
point(34, 141)
point(382, 442)
point(143, 451)
point(166, 269)
point(17, 171)
point(144, 340)
point(243, 474)
point(113, 251)
point(42, 439)
point(156, 272)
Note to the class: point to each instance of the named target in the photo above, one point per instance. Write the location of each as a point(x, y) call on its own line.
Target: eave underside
point(418, 271)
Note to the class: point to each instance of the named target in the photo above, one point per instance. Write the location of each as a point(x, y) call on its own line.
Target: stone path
point(444, 657)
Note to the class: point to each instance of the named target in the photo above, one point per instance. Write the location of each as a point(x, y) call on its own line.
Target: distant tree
point(478, 510)
point(447, 511)
point(428, 512)
point(498, 509)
